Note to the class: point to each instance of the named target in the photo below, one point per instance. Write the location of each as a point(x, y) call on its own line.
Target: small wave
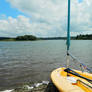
point(42, 83)
point(45, 82)
point(7, 91)
point(35, 85)
point(39, 84)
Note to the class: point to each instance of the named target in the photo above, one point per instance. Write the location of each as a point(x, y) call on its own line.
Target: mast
point(68, 33)
point(68, 42)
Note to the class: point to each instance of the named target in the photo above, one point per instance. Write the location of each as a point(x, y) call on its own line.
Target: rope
point(85, 84)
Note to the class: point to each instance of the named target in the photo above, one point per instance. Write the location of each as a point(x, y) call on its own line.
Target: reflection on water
point(23, 62)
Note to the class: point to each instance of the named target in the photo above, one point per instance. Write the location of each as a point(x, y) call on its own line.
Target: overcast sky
point(44, 18)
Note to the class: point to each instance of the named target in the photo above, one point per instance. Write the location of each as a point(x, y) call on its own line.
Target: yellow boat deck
point(63, 82)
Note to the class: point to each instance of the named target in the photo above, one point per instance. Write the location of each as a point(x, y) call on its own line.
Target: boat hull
point(71, 83)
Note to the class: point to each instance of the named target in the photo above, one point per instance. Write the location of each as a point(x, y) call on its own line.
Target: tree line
point(84, 37)
point(19, 38)
point(33, 38)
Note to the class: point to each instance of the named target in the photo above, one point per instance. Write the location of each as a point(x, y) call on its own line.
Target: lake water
point(26, 61)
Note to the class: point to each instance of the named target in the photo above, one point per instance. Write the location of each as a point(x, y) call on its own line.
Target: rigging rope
point(81, 64)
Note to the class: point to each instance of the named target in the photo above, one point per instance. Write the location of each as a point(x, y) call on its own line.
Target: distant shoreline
point(39, 40)
point(34, 38)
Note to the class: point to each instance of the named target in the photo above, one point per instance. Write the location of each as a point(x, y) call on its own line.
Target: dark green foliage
point(84, 37)
point(26, 38)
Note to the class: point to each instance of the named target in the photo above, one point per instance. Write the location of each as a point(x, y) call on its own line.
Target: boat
point(66, 79)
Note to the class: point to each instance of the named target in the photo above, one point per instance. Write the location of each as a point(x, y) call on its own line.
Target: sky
point(44, 18)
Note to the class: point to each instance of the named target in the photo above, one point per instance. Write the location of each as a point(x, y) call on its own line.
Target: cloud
point(22, 25)
point(12, 26)
point(48, 18)
point(48, 10)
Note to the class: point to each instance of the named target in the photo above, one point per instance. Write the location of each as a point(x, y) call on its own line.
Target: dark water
point(23, 62)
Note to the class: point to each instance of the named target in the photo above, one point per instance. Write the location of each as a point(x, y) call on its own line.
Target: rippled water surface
point(23, 62)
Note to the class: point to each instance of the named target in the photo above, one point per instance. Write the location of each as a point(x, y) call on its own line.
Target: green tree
point(26, 37)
